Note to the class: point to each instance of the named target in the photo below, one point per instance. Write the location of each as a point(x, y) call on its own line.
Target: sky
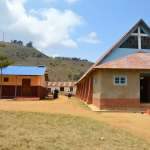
point(85, 29)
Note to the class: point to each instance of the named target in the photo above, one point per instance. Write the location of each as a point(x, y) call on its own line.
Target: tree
point(39, 55)
point(15, 41)
point(20, 43)
point(75, 77)
point(69, 76)
point(29, 44)
point(4, 62)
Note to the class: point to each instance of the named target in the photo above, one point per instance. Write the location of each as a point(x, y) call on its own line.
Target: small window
point(71, 88)
point(145, 42)
point(95, 81)
point(131, 42)
point(6, 79)
point(61, 88)
point(136, 31)
point(141, 31)
point(120, 80)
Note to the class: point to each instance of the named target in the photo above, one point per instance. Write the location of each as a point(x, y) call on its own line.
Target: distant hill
point(59, 68)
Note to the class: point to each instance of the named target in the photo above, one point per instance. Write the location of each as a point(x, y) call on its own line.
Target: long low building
point(63, 87)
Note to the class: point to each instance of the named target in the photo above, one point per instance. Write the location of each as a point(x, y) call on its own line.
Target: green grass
point(44, 131)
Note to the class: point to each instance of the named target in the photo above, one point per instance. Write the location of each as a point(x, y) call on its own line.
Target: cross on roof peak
point(139, 33)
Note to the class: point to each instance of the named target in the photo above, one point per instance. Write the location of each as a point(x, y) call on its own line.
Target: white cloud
point(71, 1)
point(69, 43)
point(89, 38)
point(47, 28)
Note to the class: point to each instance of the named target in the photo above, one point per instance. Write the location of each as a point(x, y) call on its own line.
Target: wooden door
point(26, 87)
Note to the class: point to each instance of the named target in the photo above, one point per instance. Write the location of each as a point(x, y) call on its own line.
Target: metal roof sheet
point(24, 70)
point(61, 84)
point(139, 60)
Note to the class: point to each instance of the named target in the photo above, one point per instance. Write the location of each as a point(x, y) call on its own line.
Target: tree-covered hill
point(59, 68)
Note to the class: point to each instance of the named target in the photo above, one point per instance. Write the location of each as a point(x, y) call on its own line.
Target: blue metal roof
point(24, 70)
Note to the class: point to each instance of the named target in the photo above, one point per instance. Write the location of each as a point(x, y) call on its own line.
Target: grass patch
point(44, 131)
point(80, 103)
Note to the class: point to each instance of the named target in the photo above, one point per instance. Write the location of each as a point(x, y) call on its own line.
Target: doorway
point(26, 87)
point(145, 89)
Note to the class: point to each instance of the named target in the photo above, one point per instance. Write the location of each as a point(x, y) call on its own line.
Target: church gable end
point(138, 39)
point(135, 40)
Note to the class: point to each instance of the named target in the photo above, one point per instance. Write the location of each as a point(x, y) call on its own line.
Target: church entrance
point(145, 89)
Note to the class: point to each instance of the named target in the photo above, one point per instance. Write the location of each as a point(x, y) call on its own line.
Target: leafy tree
point(74, 58)
point(18, 54)
point(15, 41)
point(39, 55)
point(29, 44)
point(33, 54)
point(81, 74)
point(20, 43)
point(69, 76)
point(4, 62)
point(75, 77)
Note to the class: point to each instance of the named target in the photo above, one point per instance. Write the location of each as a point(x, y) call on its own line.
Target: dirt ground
point(134, 122)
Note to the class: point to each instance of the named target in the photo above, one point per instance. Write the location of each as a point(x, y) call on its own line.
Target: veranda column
point(77, 90)
point(79, 94)
point(82, 91)
point(90, 96)
point(85, 91)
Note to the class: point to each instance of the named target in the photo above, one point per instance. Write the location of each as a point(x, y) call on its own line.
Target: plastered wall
point(96, 88)
point(129, 91)
point(35, 80)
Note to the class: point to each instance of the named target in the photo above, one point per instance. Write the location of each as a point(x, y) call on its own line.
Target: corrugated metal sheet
point(138, 60)
point(24, 70)
point(61, 84)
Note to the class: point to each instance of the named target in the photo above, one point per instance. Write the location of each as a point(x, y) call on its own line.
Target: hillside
point(59, 69)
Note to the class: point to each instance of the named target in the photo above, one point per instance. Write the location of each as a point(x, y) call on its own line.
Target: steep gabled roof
point(112, 48)
point(139, 60)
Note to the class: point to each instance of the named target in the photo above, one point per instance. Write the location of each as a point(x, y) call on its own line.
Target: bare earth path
point(136, 123)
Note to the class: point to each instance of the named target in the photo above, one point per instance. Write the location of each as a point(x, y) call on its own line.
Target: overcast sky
point(84, 29)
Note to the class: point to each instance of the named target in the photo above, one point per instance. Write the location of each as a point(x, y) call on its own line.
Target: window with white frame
point(138, 39)
point(95, 81)
point(120, 80)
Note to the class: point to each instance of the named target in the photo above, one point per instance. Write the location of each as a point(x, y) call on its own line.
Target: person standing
point(56, 91)
point(69, 94)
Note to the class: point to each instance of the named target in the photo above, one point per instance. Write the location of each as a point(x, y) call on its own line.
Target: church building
point(120, 79)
